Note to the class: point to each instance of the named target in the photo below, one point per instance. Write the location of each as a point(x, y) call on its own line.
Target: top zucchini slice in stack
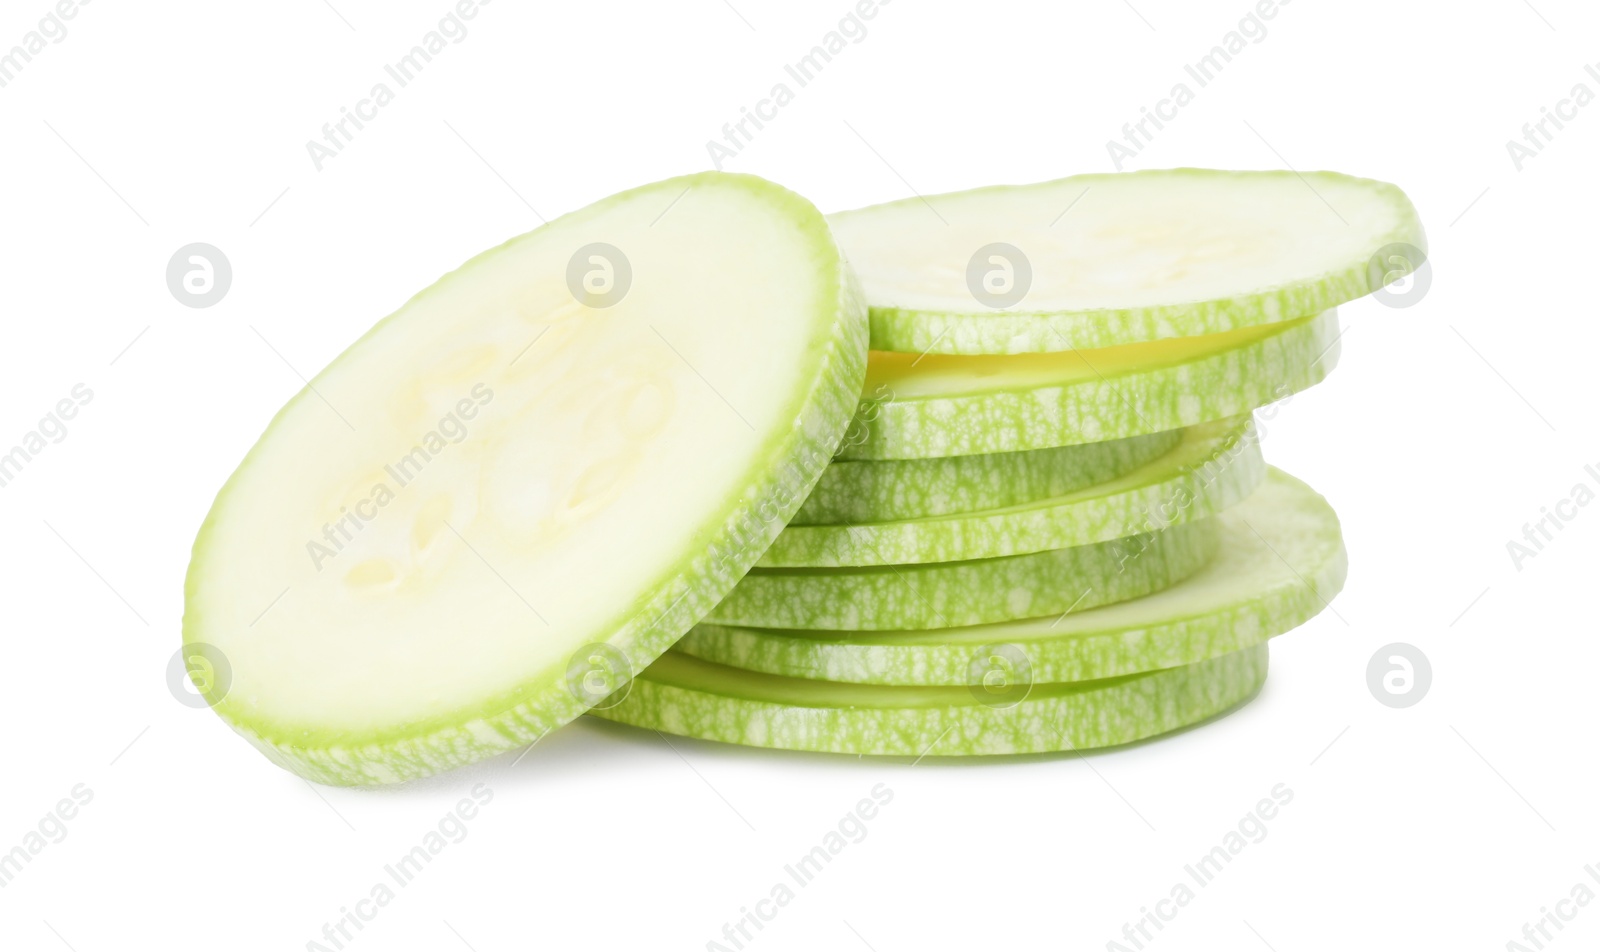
point(566, 451)
point(1097, 261)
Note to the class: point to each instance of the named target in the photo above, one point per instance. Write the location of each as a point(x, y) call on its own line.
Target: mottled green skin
point(948, 594)
point(983, 331)
point(1216, 465)
point(1281, 562)
point(1224, 384)
point(691, 698)
point(857, 491)
point(787, 468)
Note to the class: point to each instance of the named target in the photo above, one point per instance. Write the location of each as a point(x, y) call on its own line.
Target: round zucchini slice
point(857, 491)
point(693, 698)
point(529, 481)
point(1096, 261)
point(938, 405)
point(974, 592)
point(1214, 466)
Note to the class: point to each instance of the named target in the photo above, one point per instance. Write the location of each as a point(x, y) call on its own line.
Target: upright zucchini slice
point(1215, 465)
point(564, 452)
point(950, 594)
point(952, 406)
point(1281, 562)
point(1097, 261)
point(683, 695)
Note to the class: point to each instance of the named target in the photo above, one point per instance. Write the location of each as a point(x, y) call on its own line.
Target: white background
point(1447, 426)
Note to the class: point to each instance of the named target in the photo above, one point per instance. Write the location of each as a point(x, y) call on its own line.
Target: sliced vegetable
point(437, 548)
point(953, 406)
point(856, 491)
point(693, 698)
point(1281, 562)
point(1098, 261)
point(949, 594)
point(1216, 465)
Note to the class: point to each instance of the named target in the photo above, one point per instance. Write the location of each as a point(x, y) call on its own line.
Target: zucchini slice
point(857, 491)
point(952, 594)
point(1281, 561)
point(1215, 465)
point(1098, 261)
point(693, 698)
point(953, 406)
point(568, 449)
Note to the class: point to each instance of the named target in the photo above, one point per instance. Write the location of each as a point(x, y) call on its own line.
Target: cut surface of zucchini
point(566, 451)
point(1096, 261)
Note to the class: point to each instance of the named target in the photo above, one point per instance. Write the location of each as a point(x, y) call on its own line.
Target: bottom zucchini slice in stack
point(693, 698)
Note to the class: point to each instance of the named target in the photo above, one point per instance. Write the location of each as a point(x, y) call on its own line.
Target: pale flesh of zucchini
point(1114, 259)
point(503, 472)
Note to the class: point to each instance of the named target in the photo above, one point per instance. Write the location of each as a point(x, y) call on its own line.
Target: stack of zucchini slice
point(1049, 525)
point(970, 474)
